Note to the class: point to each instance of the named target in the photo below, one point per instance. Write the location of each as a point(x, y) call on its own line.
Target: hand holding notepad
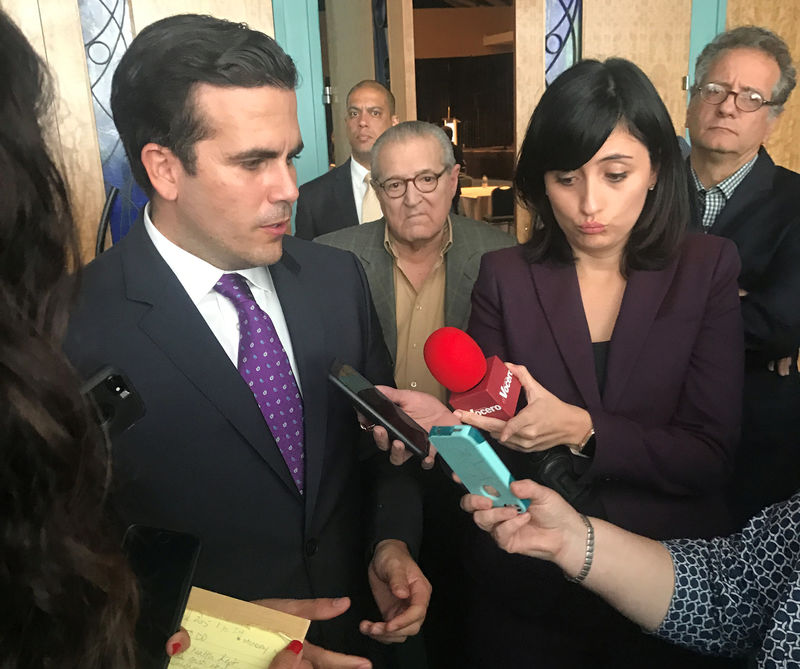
point(228, 633)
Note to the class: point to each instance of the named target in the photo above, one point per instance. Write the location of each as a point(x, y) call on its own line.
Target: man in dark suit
point(263, 462)
point(744, 77)
point(344, 197)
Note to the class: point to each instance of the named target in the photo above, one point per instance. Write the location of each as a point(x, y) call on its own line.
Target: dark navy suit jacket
point(326, 204)
point(202, 459)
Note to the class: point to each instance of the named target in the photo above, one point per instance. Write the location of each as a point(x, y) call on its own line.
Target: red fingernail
point(295, 646)
point(176, 647)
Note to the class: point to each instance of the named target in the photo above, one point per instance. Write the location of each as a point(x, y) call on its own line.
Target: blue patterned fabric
point(741, 594)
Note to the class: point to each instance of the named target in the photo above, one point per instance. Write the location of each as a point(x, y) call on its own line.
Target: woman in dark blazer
point(632, 333)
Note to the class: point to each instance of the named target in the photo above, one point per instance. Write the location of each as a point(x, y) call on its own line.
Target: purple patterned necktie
point(265, 367)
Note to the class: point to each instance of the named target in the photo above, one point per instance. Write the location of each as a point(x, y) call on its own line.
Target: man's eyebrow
point(370, 108)
point(263, 154)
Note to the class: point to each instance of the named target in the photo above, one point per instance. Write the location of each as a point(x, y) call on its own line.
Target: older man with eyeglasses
point(743, 79)
point(420, 259)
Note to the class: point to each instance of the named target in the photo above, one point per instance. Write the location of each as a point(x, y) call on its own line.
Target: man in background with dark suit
point(227, 327)
point(344, 197)
point(744, 77)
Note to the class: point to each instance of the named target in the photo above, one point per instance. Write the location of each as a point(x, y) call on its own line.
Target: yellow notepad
point(228, 633)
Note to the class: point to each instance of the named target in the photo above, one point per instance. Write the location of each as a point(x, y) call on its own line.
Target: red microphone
point(482, 385)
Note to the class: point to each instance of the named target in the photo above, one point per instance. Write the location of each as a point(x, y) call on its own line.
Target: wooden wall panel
point(256, 13)
point(654, 34)
point(54, 28)
point(783, 18)
point(459, 32)
point(351, 59)
point(529, 82)
point(402, 69)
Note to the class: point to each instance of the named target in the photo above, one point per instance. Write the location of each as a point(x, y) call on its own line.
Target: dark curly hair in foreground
point(68, 598)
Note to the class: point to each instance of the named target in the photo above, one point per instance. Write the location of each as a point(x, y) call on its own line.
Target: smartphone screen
point(371, 402)
point(163, 562)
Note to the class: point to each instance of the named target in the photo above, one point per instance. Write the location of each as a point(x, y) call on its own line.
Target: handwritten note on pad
point(228, 633)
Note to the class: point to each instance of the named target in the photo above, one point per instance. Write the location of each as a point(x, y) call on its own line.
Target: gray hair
point(411, 130)
point(751, 37)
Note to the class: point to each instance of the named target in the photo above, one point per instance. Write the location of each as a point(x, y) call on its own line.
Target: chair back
point(502, 201)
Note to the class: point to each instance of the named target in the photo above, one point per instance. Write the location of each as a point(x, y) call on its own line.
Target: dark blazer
point(202, 459)
point(471, 239)
point(326, 204)
point(763, 219)
point(667, 422)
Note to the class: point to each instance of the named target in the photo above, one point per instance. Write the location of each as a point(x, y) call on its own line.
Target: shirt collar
point(729, 184)
point(357, 170)
point(389, 241)
point(195, 274)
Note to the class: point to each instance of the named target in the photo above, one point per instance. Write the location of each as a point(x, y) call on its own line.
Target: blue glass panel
point(106, 35)
point(563, 38)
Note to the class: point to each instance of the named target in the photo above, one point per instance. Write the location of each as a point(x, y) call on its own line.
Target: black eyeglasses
point(746, 101)
point(396, 187)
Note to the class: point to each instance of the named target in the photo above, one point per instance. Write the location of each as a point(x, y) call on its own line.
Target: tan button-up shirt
point(418, 313)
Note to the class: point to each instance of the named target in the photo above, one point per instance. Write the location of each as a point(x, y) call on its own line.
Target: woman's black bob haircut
point(575, 116)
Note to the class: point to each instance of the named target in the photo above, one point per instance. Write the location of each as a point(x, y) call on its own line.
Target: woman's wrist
point(571, 559)
point(581, 429)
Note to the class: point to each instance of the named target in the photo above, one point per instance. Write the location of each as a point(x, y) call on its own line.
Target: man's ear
point(163, 169)
point(452, 179)
point(395, 120)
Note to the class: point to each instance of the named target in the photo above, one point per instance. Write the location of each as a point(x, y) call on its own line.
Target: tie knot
point(367, 178)
point(234, 287)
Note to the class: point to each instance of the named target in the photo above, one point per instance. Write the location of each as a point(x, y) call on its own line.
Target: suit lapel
point(458, 282)
point(175, 325)
point(559, 295)
point(379, 269)
point(643, 296)
point(750, 190)
point(297, 296)
point(344, 195)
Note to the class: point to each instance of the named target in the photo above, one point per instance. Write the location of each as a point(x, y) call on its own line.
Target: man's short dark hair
point(377, 85)
point(152, 93)
point(573, 119)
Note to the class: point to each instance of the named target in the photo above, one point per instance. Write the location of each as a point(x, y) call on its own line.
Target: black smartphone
point(378, 408)
point(163, 562)
point(114, 399)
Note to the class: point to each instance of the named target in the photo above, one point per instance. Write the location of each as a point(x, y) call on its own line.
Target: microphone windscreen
point(455, 359)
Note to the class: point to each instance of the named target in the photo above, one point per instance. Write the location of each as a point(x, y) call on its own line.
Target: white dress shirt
point(357, 174)
point(198, 278)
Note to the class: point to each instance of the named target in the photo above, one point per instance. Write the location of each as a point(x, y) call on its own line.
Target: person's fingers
point(178, 642)
point(322, 608)
point(784, 365)
point(399, 454)
point(471, 503)
point(527, 489)
point(486, 520)
point(290, 657)
point(507, 530)
point(320, 658)
point(485, 423)
point(381, 437)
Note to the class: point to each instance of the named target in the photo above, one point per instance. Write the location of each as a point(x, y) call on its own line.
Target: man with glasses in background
point(744, 77)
